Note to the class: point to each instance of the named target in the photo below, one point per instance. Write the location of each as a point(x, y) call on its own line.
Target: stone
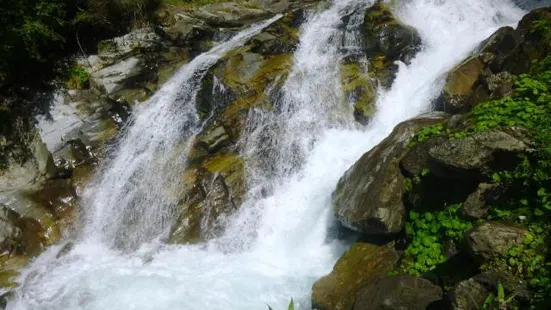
point(492, 239)
point(211, 194)
point(136, 42)
point(468, 295)
point(10, 234)
point(214, 140)
point(473, 156)
point(229, 14)
point(361, 265)
point(368, 197)
point(385, 35)
point(477, 205)
point(113, 78)
point(460, 83)
point(398, 293)
point(29, 169)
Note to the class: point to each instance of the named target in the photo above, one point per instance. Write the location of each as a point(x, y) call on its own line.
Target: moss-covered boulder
point(360, 266)
point(368, 198)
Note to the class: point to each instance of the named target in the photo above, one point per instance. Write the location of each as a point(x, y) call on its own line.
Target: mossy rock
point(361, 265)
point(212, 193)
point(360, 89)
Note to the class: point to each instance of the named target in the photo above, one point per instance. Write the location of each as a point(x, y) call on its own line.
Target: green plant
point(499, 302)
point(290, 307)
point(428, 132)
point(78, 78)
point(427, 232)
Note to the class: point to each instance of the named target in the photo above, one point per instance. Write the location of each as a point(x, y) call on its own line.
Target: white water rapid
point(280, 241)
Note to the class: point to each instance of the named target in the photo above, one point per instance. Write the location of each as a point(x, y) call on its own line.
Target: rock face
point(237, 83)
point(397, 293)
point(488, 74)
point(368, 198)
point(491, 240)
point(361, 265)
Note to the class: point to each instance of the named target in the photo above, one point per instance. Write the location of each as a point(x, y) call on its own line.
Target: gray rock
point(113, 78)
point(229, 14)
point(368, 198)
point(468, 295)
point(131, 44)
point(9, 233)
point(472, 156)
point(215, 139)
point(491, 240)
point(398, 293)
point(476, 206)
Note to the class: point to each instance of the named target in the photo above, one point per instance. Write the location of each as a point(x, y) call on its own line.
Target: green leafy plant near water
point(290, 307)
point(428, 232)
point(527, 187)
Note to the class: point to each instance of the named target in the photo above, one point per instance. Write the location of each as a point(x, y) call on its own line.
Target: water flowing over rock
point(219, 177)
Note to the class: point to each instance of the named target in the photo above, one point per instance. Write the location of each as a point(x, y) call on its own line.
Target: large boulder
point(398, 293)
point(361, 265)
point(492, 240)
point(368, 198)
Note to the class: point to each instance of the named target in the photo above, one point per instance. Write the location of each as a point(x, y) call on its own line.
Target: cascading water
point(285, 229)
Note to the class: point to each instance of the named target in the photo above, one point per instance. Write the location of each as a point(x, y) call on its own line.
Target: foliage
point(499, 302)
point(428, 132)
point(428, 232)
point(290, 307)
point(78, 78)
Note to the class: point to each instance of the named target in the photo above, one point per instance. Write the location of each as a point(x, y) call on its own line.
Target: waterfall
point(285, 221)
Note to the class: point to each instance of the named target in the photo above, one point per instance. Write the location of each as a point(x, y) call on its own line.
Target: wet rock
point(397, 293)
point(368, 198)
point(214, 140)
point(474, 156)
point(361, 265)
point(385, 35)
point(212, 193)
point(491, 240)
point(360, 89)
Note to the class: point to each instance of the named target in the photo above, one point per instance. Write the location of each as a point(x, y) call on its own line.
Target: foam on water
point(278, 242)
